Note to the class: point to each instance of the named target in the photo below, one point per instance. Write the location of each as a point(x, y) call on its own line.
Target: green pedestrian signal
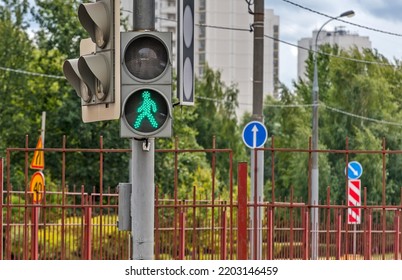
point(146, 84)
point(146, 111)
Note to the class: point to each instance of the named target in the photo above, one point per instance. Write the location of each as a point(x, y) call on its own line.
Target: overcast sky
point(297, 23)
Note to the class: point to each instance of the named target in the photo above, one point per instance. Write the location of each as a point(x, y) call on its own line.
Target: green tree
point(59, 26)
point(16, 53)
point(215, 108)
point(57, 35)
point(288, 121)
point(359, 103)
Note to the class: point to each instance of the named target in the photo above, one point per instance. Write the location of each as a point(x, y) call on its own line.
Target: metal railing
point(72, 223)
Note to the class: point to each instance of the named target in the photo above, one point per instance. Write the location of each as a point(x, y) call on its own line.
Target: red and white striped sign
point(354, 199)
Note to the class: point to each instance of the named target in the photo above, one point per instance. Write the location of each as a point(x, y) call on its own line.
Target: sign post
point(354, 170)
point(254, 136)
point(37, 186)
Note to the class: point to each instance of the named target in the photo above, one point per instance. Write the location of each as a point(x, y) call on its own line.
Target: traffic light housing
point(185, 53)
point(146, 84)
point(95, 75)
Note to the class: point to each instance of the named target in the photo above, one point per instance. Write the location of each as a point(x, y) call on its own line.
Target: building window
point(202, 58)
point(202, 5)
point(201, 46)
point(202, 32)
point(202, 17)
point(171, 16)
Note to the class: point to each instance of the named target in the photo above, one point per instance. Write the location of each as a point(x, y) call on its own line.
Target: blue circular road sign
point(255, 134)
point(355, 170)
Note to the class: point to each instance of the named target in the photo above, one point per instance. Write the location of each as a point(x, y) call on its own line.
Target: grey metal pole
point(144, 15)
point(314, 165)
point(314, 168)
point(43, 128)
point(143, 163)
point(142, 200)
point(258, 82)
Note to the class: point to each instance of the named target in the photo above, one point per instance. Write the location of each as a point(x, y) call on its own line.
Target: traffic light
point(185, 52)
point(146, 84)
point(95, 75)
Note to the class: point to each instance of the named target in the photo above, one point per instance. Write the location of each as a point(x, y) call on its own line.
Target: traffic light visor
point(94, 17)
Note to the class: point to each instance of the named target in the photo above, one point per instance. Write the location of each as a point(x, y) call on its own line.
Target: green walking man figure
point(147, 107)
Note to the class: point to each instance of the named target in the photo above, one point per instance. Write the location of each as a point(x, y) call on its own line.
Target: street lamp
point(314, 169)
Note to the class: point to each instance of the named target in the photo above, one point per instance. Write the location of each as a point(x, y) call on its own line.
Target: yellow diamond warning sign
point(38, 160)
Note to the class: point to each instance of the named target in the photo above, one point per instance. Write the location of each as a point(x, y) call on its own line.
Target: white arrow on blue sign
point(255, 134)
point(355, 170)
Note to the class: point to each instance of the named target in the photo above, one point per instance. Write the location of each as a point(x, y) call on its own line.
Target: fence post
point(1, 209)
point(223, 235)
point(182, 235)
point(242, 212)
point(270, 239)
point(338, 236)
point(396, 246)
point(369, 225)
point(306, 233)
point(34, 232)
point(87, 230)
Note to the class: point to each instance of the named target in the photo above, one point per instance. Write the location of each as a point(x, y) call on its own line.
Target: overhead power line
point(360, 117)
point(222, 28)
point(249, 30)
point(342, 20)
point(330, 54)
point(281, 106)
point(288, 43)
point(31, 73)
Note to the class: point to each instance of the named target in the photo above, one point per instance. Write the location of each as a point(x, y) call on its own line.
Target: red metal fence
point(72, 223)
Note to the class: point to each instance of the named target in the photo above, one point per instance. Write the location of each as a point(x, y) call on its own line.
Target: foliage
point(216, 117)
point(365, 91)
point(56, 37)
point(359, 109)
point(59, 26)
point(73, 238)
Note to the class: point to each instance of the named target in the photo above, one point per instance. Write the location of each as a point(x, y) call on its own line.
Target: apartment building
point(223, 42)
point(340, 36)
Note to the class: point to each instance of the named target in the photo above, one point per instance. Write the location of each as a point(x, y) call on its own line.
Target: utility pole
point(257, 172)
point(258, 65)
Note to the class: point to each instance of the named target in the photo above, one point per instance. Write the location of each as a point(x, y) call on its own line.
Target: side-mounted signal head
point(95, 71)
point(89, 75)
point(95, 75)
point(94, 17)
point(73, 76)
